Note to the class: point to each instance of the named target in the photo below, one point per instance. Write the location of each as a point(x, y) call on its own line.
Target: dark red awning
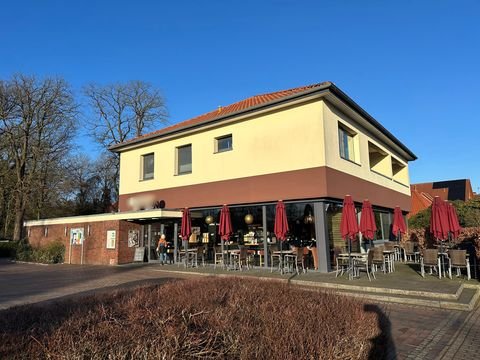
point(281, 223)
point(368, 228)
point(348, 224)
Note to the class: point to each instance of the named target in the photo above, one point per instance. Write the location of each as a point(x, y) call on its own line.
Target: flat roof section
point(151, 214)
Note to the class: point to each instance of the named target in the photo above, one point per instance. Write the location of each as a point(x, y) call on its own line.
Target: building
point(308, 146)
point(423, 193)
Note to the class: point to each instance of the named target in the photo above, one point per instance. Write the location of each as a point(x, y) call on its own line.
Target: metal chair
point(296, 260)
point(273, 257)
point(219, 257)
point(378, 259)
point(239, 258)
point(459, 260)
point(409, 251)
point(200, 253)
point(430, 258)
point(365, 264)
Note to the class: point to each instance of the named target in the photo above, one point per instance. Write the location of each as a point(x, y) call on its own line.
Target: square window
point(184, 159)
point(147, 166)
point(224, 143)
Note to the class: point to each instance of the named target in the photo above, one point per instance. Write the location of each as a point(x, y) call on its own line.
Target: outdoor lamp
point(209, 219)
point(309, 219)
point(248, 219)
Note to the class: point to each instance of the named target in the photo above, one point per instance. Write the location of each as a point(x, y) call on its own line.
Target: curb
point(377, 294)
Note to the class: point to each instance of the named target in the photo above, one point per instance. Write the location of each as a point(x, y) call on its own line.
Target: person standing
point(162, 249)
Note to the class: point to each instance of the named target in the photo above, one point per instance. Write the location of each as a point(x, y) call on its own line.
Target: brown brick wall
point(95, 250)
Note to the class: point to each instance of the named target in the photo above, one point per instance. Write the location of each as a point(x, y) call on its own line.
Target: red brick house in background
point(423, 194)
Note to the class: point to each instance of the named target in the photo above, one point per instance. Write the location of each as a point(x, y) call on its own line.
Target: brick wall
point(94, 250)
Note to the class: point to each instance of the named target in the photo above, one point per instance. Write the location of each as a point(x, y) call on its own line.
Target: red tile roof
point(420, 201)
point(222, 111)
point(265, 100)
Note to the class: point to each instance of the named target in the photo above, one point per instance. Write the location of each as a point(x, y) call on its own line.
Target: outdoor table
point(352, 256)
point(188, 255)
point(390, 254)
point(282, 254)
point(443, 261)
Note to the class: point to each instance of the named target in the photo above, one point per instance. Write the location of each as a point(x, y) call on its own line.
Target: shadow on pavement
point(383, 346)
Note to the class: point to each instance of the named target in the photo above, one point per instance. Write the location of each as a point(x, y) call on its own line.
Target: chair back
point(273, 247)
point(299, 251)
point(218, 249)
point(389, 246)
point(378, 253)
point(430, 256)
point(200, 249)
point(243, 253)
point(409, 247)
point(458, 257)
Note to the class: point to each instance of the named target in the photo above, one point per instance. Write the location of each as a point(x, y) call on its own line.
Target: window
point(346, 140)
point(224, 143)
point(399, 171)
point(184, 159)
point(147, 166)
point(379, 159)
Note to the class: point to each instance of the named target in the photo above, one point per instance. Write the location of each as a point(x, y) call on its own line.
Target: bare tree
point(124, 111)
point(37, 123)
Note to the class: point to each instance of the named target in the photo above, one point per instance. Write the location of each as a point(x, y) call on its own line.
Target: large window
point(147, 166)
point(184, 159)
point(346, 140)
point(224, 143)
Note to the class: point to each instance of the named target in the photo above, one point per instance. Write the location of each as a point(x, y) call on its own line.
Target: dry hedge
point(208, 318)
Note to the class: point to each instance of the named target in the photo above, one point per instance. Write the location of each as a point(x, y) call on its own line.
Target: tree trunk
point(19, 216)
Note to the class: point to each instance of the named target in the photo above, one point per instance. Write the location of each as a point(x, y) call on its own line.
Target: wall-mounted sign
point(76, 236)
point(111, 239)
point(133, 238)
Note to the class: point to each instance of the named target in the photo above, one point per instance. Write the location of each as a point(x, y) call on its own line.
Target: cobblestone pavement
point(414, 332)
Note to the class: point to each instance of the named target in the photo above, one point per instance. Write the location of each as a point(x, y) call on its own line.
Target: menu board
point(139, 254)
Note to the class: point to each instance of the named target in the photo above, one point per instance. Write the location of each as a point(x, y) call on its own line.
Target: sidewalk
point(417, 332)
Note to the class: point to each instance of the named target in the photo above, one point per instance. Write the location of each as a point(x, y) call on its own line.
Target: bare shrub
point(207, 319)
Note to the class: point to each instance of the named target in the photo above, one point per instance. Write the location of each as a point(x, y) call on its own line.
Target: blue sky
point(413, 65)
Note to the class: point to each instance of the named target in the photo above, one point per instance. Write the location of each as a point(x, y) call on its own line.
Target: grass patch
point(209, 318)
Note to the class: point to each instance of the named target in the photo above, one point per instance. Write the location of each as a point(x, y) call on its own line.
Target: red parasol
point(186, 229)
point(398, 225)
point(225, 226)
point(439, 219)
point(453, 224)
point(281, 223)
point(368, 228)
point(348, 224)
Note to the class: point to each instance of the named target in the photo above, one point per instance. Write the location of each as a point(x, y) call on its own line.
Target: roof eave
point(322, 88)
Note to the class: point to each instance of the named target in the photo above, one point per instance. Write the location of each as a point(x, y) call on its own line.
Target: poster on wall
point(194, 237)
point(76, 236)
point(111, 239)
point(133, 236)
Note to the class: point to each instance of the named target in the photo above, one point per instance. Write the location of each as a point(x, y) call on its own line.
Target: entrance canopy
point(133, 216)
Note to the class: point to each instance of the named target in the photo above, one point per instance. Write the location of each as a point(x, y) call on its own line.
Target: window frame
point(345, 133)
point(143, 174)
point(223, 137)
point(177, 159)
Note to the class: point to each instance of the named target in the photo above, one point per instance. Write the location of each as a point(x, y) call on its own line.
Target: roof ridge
point(244, 104)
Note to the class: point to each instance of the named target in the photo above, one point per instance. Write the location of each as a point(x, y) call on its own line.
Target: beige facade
point(289, 137)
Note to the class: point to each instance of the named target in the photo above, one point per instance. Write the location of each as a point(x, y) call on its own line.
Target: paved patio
point(416, 332)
